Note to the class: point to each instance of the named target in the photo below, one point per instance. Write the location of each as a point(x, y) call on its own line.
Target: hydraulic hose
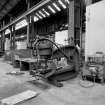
point(53, 44)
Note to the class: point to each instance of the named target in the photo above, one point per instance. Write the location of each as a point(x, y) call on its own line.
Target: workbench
point(26, 63)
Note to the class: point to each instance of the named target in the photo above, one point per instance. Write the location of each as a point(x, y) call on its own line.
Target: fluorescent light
point(21, 24)
point(55, 5)
point(39, 16)
point(66, 25)
point(7, 31)
point(46, 12)
point(42, 14)
point(35, 19)
point(62, 4)
point(22, 36)
point(52, 10)
point(67, 1)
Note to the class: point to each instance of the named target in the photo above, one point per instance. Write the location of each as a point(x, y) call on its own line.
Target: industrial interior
point(52, 52)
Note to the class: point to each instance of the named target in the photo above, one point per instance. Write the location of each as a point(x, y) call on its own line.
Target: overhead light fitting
point(7, 31)
point(55, 5)
point(35, 19)
point(42, 14)
point(48, 14)
point(22, 36)
point(39, 16)
point(21, 24)
point(62, 4)
point(52, 10)
point(67, 1)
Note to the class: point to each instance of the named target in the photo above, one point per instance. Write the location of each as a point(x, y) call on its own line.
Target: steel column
point(10, 28)
point(3, 40)
point(71, 23)
point(14, 45)
point(32, 27)
point(88, 2)
point(3, 37)
point(28, 28)
point(12, 37)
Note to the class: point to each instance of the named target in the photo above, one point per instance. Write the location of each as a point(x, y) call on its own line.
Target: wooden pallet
point(16, 99)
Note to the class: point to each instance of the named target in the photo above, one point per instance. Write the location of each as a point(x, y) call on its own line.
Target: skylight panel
point(62, 4)
point(42, 14)
point(52, 10)
point(48, 14)
point(55, 5)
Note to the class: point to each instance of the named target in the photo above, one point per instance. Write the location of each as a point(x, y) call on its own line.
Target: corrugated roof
point(6, 6)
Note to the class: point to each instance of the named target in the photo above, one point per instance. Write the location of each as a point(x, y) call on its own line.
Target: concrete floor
point(71, 94)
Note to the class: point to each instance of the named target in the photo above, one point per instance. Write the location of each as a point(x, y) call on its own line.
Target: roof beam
point(33, 9)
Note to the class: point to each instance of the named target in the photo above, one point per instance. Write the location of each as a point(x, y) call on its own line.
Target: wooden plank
point(15, 99)
point(28, 60)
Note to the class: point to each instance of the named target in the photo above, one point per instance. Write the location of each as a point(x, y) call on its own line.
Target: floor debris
point(15, 73)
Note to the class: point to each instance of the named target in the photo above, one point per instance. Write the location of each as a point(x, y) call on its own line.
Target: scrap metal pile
point(95, 67)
